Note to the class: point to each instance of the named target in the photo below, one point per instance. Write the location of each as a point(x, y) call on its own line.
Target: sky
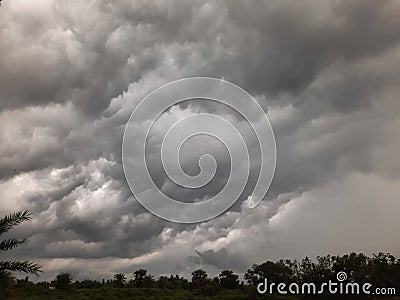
point(325, 72)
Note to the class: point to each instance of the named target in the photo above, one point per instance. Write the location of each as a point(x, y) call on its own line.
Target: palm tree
point(6, 224)
point(64, 281)
point(120, 280)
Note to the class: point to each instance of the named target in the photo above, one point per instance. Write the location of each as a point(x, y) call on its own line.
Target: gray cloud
point(71, 73)
point(223, 260)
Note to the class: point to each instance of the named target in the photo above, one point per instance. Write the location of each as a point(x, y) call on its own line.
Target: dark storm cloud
point(65, 55)
point(71, 73)
point(286, 44)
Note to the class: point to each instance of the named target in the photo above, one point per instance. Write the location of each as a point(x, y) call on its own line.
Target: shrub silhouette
point(119, 280)
point(63, 281)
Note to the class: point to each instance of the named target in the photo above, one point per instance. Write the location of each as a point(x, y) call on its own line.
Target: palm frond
point(12, 220)
point(11, 243)
point(20, 266)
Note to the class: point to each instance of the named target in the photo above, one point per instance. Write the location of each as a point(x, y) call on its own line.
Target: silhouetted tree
point(63, 281)
point(385, 270)
point(275, 272)
point(142, 280)
point(119, 280)
point(163, 282)
point(199, 279)
point(307, 270)
point(172, 282)
point(228, 280)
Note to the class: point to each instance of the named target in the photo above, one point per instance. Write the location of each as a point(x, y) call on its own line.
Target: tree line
point(381, 270)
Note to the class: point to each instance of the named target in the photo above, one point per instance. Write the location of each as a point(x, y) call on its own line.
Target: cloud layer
point(72, 72)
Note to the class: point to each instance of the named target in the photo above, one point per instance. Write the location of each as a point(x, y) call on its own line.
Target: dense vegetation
point(381, 270)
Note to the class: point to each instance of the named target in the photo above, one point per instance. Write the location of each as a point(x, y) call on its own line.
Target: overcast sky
point(71, 73)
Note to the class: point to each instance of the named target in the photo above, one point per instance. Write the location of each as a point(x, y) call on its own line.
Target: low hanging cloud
point(72, 72)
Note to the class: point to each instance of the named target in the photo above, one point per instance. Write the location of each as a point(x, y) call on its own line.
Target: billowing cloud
point(72, 72)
